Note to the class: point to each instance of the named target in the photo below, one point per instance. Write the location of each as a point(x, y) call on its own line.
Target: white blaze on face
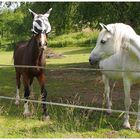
point(43, 39)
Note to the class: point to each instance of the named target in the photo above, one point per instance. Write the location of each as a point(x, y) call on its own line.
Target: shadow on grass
point(72, 65)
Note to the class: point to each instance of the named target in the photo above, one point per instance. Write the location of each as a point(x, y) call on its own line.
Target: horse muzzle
point(44, 47)
point(93, 60)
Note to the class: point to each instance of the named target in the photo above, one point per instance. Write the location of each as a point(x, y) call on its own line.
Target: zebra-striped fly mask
point(41, 23)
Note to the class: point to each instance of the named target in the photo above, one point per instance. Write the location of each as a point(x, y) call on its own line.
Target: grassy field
point(64, 86)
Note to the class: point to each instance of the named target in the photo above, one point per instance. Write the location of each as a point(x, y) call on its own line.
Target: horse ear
point(47, 14)
point(104, 26)
point(33, 13)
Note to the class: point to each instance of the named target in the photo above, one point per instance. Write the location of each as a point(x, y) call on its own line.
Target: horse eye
point(103, 41)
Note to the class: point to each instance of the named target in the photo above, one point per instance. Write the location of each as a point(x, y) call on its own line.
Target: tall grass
point(78, 38)
point(64, 122)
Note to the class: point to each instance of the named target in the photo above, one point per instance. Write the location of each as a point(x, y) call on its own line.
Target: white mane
point(125, 38)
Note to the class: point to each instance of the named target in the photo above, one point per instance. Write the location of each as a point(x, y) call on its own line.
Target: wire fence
point(70, 68)
point(70, 105)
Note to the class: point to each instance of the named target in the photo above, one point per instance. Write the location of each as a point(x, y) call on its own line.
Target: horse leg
point(41, 79)
point(127, 102)
point(137, 126)
point(107, 93)
point(31, 89)
point(17, 88)
point(26, 80)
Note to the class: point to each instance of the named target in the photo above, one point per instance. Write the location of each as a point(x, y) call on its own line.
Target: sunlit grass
point(6, 57)
point(71, 55)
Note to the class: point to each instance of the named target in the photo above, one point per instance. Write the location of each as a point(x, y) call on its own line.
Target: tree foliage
point(67, 16)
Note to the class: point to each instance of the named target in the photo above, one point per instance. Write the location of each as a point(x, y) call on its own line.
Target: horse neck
point(37, 55)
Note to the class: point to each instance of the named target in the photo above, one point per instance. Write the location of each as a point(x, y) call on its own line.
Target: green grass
point(6, 57)
point(64, 86)
point(80, 38)
point(71, 55)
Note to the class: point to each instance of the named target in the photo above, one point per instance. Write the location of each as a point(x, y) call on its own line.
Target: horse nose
point(90, 61)
point(43, 46)
point(40, 44)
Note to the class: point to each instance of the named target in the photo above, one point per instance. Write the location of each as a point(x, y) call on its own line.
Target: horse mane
point(125, 38)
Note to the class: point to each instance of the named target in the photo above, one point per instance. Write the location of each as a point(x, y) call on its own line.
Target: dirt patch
point(52, 54)
point(78, 87)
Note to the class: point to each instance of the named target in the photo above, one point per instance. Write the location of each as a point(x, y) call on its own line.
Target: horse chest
point(111, 63)
point(34, 72)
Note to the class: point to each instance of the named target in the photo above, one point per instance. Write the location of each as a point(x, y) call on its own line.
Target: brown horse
point(31, 53)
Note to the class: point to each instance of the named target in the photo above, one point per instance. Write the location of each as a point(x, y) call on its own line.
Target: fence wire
point(70, 105)
point(70, 68)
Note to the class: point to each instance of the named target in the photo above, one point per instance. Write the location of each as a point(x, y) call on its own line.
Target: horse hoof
point(109, 112)
point(126, 126)
point(137, 127)
point(46, 118)
point(32, 96)
point(27, 114)
point(16, 102)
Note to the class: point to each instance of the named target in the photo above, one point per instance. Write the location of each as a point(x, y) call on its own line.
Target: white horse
point(118, 47)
